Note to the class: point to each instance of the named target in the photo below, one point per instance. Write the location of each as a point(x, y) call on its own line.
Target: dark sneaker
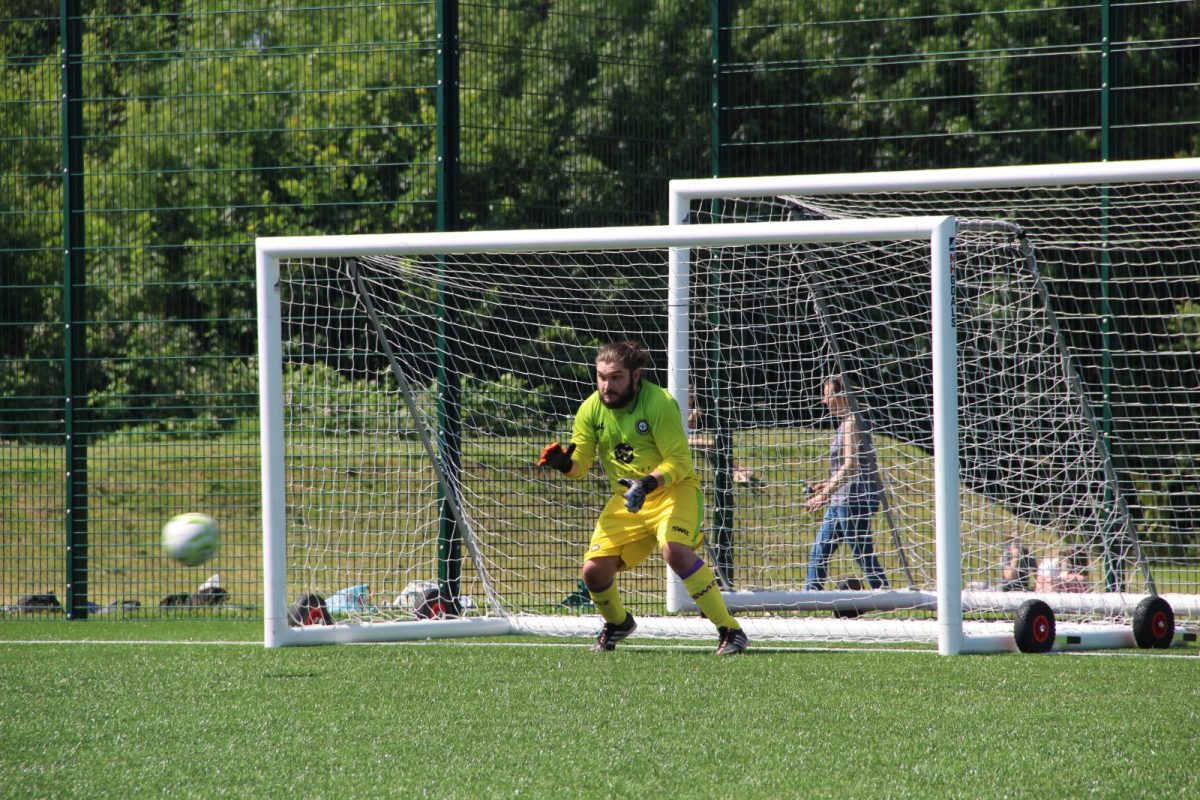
point(610, 634)
point(732, 641)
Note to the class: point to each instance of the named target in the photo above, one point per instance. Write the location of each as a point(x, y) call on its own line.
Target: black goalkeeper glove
point(554, 456)
point(635, 497)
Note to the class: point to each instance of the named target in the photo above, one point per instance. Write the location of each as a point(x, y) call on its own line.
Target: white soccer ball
point(190, 539)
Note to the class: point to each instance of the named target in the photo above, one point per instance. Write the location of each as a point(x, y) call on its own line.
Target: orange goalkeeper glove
point(555, 456)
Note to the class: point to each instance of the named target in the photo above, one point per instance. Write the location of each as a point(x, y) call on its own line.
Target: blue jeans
point(850, 524)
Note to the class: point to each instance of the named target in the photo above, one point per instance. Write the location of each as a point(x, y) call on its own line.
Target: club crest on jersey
point(623, 453)
point(642, 426)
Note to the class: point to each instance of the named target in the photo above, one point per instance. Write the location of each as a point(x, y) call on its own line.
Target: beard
point(623, 399)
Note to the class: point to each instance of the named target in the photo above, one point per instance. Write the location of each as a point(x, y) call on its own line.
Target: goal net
point(1045, 513)
point(409, 383)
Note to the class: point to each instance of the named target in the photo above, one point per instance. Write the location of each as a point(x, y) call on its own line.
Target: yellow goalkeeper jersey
point(645, 436)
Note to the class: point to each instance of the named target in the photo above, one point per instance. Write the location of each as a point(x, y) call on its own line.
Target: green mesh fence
point(578, 114)
point(845, 86)
point(200, 131)
point(142, 151)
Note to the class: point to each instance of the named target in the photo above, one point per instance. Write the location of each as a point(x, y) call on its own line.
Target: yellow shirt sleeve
point(585, 438)
point(673, 448)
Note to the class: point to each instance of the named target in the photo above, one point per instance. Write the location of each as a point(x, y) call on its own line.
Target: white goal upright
point(408, 383)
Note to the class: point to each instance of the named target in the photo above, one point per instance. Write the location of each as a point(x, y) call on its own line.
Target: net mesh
point(482, 359)
point(497, 350)
point(1034, 473)
point(1119, 263)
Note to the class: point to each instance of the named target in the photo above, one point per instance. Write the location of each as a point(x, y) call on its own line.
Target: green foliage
point(205, 130)
point(842, 85)
point(340, 406)
point(504, 406)
point(1184, 327)
point(584, 74)
point(1169, 505)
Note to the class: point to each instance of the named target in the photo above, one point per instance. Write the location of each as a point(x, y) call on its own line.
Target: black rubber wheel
point(1034, 627)
point(1153, 623)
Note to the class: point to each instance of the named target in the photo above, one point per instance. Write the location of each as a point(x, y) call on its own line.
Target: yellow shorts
point(671, 514)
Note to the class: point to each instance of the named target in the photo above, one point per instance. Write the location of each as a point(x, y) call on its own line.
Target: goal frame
point(938, 231)
point(949, 596)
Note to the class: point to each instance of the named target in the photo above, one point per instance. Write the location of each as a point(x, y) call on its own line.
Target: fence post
point(449, 380)
point(719, 51)
point(1109, 28)
point(722, 449)
point(74, 281)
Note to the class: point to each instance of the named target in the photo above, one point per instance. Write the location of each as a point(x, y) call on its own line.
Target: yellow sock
point(702, 585)
point(608, 603)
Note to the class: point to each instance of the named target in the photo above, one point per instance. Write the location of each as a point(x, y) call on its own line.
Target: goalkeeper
point(636, 429)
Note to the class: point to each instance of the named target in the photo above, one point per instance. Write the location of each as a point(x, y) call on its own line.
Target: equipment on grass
point(191, 539)
point(406, 380)
point(351, 602)
point(309, 609)
point(414, 594)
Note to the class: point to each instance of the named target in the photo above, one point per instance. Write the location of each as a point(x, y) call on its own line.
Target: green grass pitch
point(201, 709)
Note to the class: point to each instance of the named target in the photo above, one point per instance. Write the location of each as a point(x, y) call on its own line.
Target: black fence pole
point(74, 282)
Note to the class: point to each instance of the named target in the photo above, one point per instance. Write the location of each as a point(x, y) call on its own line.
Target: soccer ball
point(190, 539)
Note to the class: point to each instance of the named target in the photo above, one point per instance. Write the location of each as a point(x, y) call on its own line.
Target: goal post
point(351, 330)
point(1118, 222)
